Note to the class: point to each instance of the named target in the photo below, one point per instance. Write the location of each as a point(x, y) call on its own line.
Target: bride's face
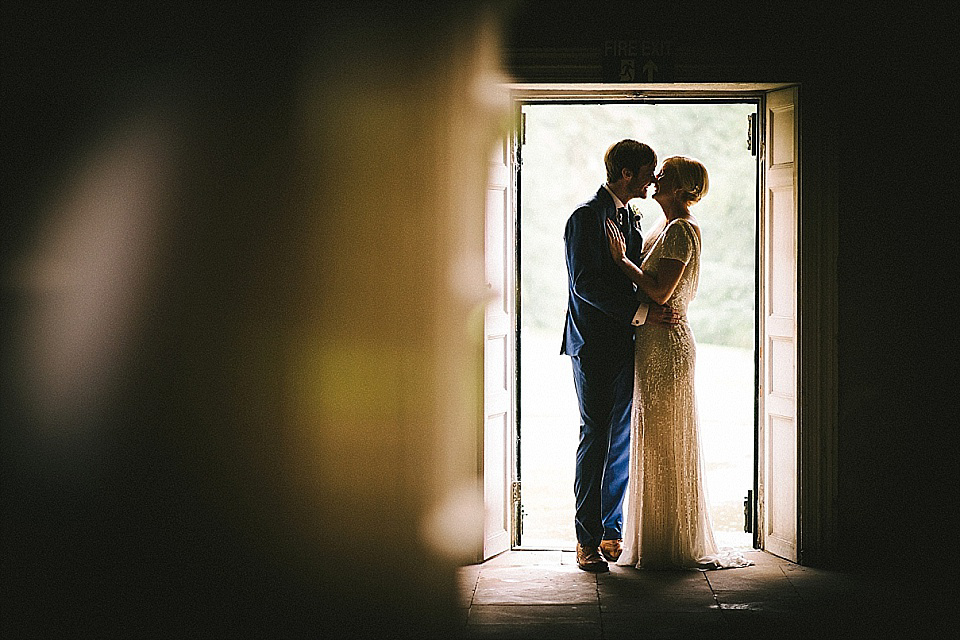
point(666, 184)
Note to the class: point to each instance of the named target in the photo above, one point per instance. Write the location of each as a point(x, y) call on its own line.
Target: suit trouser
point(604, 386)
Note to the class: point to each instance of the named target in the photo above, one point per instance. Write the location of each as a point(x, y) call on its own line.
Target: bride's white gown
point(667, 524)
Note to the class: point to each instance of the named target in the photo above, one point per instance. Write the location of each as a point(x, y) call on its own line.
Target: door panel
point(498, 360)
point(778, 394)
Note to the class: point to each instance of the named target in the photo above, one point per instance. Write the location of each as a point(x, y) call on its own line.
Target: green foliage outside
point(562, 166)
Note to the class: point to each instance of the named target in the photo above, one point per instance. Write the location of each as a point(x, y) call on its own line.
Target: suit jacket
point(602, 300)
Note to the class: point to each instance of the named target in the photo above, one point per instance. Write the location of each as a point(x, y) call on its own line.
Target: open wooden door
point(498, 356)
point(778, 353)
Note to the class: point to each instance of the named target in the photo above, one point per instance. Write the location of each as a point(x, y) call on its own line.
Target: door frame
point(816, 293)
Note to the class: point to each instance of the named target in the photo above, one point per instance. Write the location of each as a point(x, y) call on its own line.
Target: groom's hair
point(627, 154)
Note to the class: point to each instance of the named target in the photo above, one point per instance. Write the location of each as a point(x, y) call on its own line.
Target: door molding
point(817, 364)
point(817, 210)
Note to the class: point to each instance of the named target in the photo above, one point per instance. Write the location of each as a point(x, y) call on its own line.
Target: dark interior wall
point(864, 127)
point(268, 453)
point(124, 518)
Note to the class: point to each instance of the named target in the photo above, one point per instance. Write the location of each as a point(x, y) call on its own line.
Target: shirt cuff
point(641, 315)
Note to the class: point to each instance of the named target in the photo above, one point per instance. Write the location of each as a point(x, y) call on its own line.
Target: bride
point(667, 523)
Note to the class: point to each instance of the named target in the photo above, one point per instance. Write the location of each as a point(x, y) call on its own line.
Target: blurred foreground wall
point(242, 313)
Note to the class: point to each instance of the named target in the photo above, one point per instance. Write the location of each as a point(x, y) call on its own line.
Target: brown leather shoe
point(588, 559)
point(611, 549)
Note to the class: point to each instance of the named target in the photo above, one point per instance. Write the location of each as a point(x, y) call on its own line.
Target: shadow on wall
point(242, 338)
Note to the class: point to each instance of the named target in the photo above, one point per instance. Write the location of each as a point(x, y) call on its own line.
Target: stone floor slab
point(525, 559)
point(469, 572)
point(544, 595)
point(535, 585)
point(738, 596)
point(663, 625)
point(763, 559)
point(662, 603)
point(655, 581)
point(540, 631)
point(535, 614)
point(467, 578)
point(748, 578)
point(757, 623)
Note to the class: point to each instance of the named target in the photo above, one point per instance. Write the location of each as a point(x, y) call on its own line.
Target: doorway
point(561, 154)
point(794, 389)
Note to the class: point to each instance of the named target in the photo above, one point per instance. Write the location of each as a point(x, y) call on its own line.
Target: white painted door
point(778, 387)
point(498, 356)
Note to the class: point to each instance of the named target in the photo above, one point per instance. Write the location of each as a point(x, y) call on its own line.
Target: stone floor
point(542, 594)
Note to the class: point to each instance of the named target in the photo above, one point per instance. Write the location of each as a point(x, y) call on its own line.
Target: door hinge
point(519, 139)
point(752, 133)
point(517, 512)
point(748, 512)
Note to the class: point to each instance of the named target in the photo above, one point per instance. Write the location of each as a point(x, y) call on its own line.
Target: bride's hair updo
point(692, 179)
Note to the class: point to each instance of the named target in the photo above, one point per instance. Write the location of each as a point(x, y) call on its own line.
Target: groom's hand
point(660, 314)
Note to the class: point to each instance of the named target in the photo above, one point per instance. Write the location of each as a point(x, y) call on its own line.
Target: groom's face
point(643, 178)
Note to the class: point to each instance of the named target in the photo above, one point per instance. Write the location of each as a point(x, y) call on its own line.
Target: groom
point(602, 310)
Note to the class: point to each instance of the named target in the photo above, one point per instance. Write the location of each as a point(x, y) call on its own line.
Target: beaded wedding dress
point(667, 523)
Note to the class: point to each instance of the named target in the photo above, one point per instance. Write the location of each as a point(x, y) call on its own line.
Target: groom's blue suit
point(599, 337)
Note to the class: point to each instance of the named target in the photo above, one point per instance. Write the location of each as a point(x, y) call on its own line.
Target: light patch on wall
point(88, 272)
point(454, 526)
point(356, 382)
